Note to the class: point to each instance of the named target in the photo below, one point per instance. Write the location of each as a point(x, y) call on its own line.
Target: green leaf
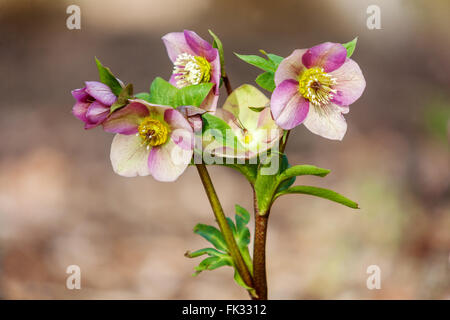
point(211, 234)
point(163, 93)
point(143, 96)
point(209, 251)
point(223, 130)
point(350, 46)
point(122, 99)
point(218, 45)
point(302, 170)
point(248, 170)
point(212, 263)
point(266, 81)
point(322, 193)
point(287, 182)
point(273, 57)
point(257, 61)
point(257, 109)
point(108, 78)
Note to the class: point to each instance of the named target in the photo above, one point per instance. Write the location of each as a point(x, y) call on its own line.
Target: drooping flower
point(194, 61)
point(247, 113)
point(315, 87)
point(93, 103)
point(151, 140)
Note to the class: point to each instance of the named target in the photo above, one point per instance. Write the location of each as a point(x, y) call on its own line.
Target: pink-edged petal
point(290, 67)
point(176, 120)
point(326, 121)
point(288, 106)
point(210, 102)
point(176, 44)
point(127, 119)
point(168, 161)
point(79, 110)
point(328, 56)
point(100, 92)
point(350, 83)
point(216, 74)
point(80, 95)
point(193, 116)
point(128, 157)
point(96, 113)
point(200, 47)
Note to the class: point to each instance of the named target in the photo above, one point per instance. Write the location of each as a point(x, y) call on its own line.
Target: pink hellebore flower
point(151, 140)
point(93, 103)
point(194, 61)
point(315, 86)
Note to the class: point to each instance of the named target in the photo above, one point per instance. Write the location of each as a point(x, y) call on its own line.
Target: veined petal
point(96, 113)
point(80, 95)
point(193, 116)
point(79, 110)
point(350, 83)
point(129, 157)
point(290, 67)
point(168, 161)
point(288, 106)
point(215, 73)
point(100, 92)
point(326, 121)
point(176, 44)
point(200, 47)
point(127, 119)
point(176, 120)
point(328, 55)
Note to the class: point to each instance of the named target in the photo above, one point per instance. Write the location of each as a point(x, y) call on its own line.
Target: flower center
point(153, 132)
point(190, 70)
point(316, 86)
point(247, 137)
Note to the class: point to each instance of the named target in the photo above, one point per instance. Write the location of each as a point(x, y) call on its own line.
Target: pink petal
point(350, 83)
point(210, 102)
point(80, 95)
point(176, 44)
point(328, 55)
point(199, 46)
point(216, 74)
point(100, 92)
point(79, 110)
point(96, 113)
point(127, 119)
point(129, 157)
point(168, 161)
point(290, 67)
point(193, 116)
point(326, 121)
point(288, 106)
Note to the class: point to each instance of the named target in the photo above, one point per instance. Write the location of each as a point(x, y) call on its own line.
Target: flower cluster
point(157, 132)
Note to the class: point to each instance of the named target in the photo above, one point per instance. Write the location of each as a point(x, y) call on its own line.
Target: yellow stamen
point(153, 132)
point(316, 86)
point(190, 70)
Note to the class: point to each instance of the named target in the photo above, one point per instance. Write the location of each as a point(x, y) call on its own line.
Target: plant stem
point(259, 253)
point(227, 84)
point(223, 225)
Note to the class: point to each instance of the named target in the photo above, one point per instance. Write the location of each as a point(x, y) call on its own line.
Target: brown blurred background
point(61, 203)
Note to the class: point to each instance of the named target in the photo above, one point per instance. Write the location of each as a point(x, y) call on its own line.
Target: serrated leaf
point(266, 81)
point(320, 192)
point(350, 46)
point(143, 96)
point(163, 93)
point(301, 170)
point(218, 45)
point(108, 78)
point(122, 99)
point(257, 61)
point(212, 234)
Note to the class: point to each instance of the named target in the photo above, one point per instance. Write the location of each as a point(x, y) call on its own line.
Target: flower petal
point(290, 67)
point(326, 121)
point(200, 47)
point(288, 106)
point(80, 95)
point(100, 92)
point(176, 44)
point(193, 116)
point(129, 157)
point(79, 110)
point(210, 102)
point(96, 113)
point(328, 55)
point(215, 73)
point(127, 119)
point(181, 130)
point(350, 83)
point(168, 161)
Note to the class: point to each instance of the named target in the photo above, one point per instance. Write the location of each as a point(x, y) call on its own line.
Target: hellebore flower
point(247, 113)
point(93, 103)
point(194, 61)
point(151, 140)
point(315, 86)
